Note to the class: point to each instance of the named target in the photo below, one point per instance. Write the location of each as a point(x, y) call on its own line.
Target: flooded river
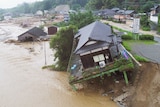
point(24, 84)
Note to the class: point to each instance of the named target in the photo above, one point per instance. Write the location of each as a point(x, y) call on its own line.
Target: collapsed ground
point(144, 87)
point(144, 83)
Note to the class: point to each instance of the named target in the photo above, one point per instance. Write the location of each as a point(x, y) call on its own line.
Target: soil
point(147, 91)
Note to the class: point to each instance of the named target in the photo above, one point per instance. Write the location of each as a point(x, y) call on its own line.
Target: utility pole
point(45, 62)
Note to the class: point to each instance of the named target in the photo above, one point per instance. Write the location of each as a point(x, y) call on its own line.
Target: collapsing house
point(33, 34)
point(97, 51)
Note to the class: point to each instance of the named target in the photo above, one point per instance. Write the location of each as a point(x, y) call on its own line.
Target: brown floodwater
point(23, 83)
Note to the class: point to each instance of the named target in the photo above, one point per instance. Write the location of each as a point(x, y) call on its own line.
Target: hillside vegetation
point(139, 5)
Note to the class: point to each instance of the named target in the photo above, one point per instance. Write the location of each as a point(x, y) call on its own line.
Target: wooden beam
point(125, 77)
point(94, 76)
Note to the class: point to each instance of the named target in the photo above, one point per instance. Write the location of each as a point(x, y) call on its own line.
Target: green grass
point(130, 42)
point(128, 32)
point(140, 58)
point(127, 45)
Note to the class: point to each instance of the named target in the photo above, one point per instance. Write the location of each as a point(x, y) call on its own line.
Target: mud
point(147, 91)
point(23, 83)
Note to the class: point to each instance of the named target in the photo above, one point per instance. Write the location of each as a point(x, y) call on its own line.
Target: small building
point(52, 30)
point(32, 35)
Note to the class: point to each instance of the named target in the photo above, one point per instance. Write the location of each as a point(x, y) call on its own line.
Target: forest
point(137, 5)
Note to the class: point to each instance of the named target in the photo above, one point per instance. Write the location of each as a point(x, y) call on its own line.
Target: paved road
point(156, 38)
point(151, 52)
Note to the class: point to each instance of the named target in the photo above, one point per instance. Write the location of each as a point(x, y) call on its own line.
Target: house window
point(98, 58)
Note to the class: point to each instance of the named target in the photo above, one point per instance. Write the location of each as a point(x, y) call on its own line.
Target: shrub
point(146, 28)
point(146, 37)
point(127, 37)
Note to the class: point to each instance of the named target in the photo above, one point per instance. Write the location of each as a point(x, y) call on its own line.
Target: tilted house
point(97, 51)
point(96, 45)
point(32, 34)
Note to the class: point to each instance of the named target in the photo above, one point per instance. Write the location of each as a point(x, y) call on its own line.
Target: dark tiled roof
point(125, 12)
point(129, 11)
point(35, 32)
point(108, 12)
point(96, 31)
point(115, 9)
point(92, 47)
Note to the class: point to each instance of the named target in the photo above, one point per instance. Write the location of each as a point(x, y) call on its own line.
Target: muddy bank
point(147, 90)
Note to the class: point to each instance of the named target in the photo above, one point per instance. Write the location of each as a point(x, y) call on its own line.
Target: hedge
point(146, 37)
point(127, 37)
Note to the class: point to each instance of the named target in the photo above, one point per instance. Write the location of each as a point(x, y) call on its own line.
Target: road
point(151, 52)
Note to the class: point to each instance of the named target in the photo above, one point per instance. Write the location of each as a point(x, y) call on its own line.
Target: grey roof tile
point(95, 31)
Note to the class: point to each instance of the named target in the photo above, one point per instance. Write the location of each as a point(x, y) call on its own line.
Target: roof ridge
point(90, 37)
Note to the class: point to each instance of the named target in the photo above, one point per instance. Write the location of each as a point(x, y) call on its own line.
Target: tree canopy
point(45, 5)
point(62, 44)
point(81, 19)
point(137, 5)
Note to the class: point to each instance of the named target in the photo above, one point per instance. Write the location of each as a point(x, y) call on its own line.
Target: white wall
point(154, 19)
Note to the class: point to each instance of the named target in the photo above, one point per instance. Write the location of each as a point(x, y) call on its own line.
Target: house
point(106, 13)
point(115, 9)
point(97, 51)
point(122, 15)
point(32, 35)
point(129, 14)
point(7, 16)
point(154, 13)
point(94, 43)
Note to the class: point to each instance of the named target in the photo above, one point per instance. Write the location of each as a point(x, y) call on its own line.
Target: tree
point(144, 23)
point(94, 4)
point(81, 19)
point(158, 23)
point(62, 44)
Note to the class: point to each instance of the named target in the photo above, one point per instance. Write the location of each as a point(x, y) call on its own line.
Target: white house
point(154, 13)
